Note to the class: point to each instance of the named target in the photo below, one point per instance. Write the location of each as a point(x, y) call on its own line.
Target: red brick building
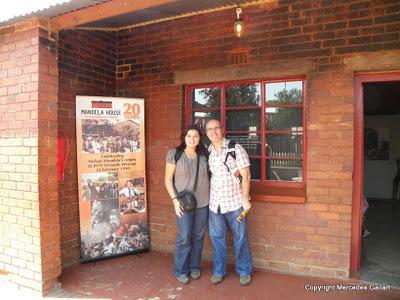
point(309, 226)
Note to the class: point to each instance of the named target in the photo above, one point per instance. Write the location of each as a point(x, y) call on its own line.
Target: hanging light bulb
point(238, 25)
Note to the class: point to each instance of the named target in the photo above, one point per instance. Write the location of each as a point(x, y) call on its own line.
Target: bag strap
point(197, 172)
point(177, 156)
point(230, 152)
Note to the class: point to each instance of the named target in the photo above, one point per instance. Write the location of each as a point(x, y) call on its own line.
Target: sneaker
point(245, 280)
point(195, 274)
point(215, 279)
point(184, 279)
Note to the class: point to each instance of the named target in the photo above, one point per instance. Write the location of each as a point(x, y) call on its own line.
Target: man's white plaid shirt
point(226, 191)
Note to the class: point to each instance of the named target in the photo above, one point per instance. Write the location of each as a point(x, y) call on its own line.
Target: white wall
point(379, 174)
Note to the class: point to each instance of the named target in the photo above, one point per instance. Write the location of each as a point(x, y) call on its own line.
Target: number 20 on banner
point(131, 110)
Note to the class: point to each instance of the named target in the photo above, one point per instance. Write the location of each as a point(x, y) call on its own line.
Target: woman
point(191, 225)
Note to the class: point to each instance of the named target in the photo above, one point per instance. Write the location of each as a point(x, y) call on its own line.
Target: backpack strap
point(178, 155)
point(230, 152)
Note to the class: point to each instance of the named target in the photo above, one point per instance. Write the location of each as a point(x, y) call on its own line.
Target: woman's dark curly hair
point(200, 148)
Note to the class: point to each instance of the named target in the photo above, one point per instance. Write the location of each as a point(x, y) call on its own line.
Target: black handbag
point(187, 198)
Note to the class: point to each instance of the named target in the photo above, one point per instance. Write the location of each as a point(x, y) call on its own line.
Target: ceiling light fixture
point(238, 25)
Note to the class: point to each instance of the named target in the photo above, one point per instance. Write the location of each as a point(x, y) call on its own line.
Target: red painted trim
point(223, 108)
point(205, 109)
point(285, 157)
point(263, 131)
point(283, 131)
point(289, 184)
point(188, 106)
point(286, 105)
point(243, 107)
point(236, 82)
point(355, 253)
point(304, 175)
point(263, 135)
point(358, 171)
point(279, 194)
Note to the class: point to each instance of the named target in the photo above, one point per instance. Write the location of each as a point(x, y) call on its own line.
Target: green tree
point(292, 96)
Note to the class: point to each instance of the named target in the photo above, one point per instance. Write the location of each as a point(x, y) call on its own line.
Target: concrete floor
point(149, 276)
point(381, 252)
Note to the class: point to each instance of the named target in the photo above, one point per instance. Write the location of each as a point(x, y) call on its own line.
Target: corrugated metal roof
point(140, 17)
point(54, 10)
point(159, 12)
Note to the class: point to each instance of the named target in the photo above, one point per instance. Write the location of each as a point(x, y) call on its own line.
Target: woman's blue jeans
point(218, 226)
point(189, 241)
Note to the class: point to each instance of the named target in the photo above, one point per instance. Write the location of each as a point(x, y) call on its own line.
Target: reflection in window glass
point(284, 118)
point(243, 120)
point(206, 98)
point(287, 145)
point(243, 95)
point(284, 92)
point(250, 141)
point(255, 168)
point(284, 170)
point(200, 118)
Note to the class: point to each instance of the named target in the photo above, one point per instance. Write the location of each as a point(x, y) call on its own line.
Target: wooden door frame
point(358, 170)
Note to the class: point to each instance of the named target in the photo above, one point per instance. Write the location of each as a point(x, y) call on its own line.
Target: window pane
point(284, 118)
point(284, 170)
point(288, 145)
point(206, 98)
point(255, 168)
point(200, 118)
point(250, 141)
point(243, 95)
point(284, 92)
point(244, 120)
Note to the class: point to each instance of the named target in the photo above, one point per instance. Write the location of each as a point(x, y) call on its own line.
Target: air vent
point(239, 56)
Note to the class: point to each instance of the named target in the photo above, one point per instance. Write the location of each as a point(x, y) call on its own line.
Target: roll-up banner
point(111, 176)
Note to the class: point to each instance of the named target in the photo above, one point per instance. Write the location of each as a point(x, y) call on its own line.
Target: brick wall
point(29, 244)
point(311, 238)
point(47, 135)
point(86, 67)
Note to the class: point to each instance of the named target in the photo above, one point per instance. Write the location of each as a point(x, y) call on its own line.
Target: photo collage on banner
point(111, 176)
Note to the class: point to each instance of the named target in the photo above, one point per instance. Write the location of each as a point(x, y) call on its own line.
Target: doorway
point(377, 145)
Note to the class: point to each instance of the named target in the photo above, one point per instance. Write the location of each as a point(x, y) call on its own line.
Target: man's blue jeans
point(189, 240)
point(218, 225)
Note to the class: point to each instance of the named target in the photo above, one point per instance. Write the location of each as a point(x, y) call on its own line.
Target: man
point(129, 190)
point(228, 198)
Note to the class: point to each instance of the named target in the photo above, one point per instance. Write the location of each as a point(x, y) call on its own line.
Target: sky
point(13, 8)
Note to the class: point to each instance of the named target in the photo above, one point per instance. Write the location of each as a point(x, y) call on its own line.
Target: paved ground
point(149, 276)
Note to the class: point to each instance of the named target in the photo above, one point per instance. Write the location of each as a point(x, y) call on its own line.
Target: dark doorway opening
point(380, 246)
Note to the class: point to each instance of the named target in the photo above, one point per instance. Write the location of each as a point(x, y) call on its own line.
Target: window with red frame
point(257, 113)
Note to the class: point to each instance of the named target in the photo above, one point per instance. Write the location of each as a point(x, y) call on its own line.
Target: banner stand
point(111, 177)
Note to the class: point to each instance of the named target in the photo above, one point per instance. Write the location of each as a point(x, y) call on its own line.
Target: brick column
point(29, 226)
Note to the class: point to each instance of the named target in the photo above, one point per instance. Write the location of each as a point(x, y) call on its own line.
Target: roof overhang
point(120, 14)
